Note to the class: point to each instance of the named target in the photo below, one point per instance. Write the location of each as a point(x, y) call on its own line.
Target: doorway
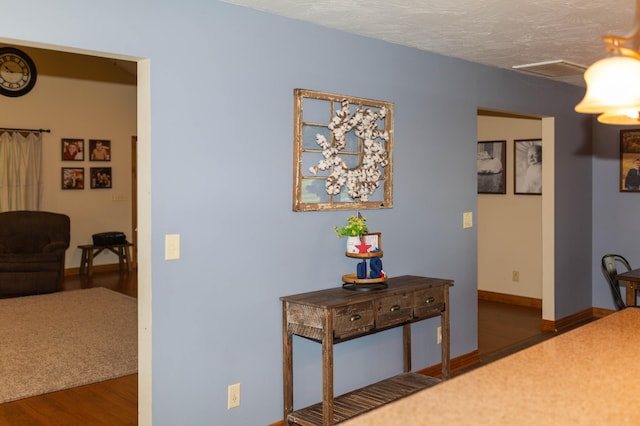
point(515, 232)
point(142, 176)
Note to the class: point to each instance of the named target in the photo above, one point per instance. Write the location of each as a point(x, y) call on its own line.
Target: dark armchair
point(32, 252)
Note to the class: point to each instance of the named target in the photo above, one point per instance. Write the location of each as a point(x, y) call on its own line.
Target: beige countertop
point(587, 376)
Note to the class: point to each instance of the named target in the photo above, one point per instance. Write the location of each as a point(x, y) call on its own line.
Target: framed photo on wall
point(100, 177)
point(491, 162)
point(527, 170)
point(72, 149)
point(73, 178)
point(629, 161)
point(99, 150)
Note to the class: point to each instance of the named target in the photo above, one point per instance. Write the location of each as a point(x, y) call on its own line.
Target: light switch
point(467, 220)
point(172, 247)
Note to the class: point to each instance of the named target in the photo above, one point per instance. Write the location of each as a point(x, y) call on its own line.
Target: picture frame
point(100, 150)
point(72, 149)
point(527, 167)
point(491, 161)
point(72, 178)
point(629, 177)
point(100, 177)
point(374, 239)
point(328, 153)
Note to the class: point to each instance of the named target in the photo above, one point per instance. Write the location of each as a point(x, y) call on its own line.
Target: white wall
point(509, 225)
point(80, 97)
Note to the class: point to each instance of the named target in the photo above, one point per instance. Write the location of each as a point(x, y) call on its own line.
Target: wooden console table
point(89, 251)
point(335, 315)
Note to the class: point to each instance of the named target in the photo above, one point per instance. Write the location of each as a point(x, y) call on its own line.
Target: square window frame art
point(343, 152)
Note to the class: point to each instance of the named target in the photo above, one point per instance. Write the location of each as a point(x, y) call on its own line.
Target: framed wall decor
point(73, 178)
point(374, 239)
point(343, 152)
point(491, 165)
point(629, 161)
point(72, 149)
point(100, 177)
point(527, 170)
point(99, 150)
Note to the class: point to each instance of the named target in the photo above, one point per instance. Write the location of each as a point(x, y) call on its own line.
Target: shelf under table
point(365, 399)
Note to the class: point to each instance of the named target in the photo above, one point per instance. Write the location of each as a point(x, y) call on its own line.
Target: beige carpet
point(62, 340)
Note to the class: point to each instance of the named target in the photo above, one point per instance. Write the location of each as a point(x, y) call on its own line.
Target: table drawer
point(428, 303)
point(352, 320)
point(395, 309)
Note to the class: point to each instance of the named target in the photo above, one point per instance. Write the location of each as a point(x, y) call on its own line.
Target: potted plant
point(353, 230)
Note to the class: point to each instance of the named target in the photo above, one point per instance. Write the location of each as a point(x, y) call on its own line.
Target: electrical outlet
point(439, 335)
point(233, 396)
point(515, 276)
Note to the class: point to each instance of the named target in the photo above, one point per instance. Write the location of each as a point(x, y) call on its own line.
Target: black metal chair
point(610, 270)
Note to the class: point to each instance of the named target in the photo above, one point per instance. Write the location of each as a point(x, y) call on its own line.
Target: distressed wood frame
point(306, 150)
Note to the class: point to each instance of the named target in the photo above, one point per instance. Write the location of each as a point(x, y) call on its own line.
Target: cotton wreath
point(361, 181)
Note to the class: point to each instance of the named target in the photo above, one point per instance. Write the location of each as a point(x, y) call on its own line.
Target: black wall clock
point(17, 72)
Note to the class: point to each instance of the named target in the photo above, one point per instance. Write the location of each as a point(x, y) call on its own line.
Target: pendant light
point(623, 117)
point(613, 83)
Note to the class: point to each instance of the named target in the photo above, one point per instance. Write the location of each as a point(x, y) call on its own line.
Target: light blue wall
point(221, 153)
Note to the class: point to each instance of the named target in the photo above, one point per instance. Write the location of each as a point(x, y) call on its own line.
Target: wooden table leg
point(406, 347)
point(83, 261)
point(90, 262)
point(446, 338)
point(287, 365)
point(631, 293)
point(327, 371)
point(120, 258)
point(127, 256)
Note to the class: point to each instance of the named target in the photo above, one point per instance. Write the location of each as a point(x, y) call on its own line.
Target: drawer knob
point(355, 317)
point(394, 308)
point(429, 300)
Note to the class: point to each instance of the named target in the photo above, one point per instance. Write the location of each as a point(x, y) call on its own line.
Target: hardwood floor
point(124, 282)
point(504, 328)
point(112, 402)
point(501, 325)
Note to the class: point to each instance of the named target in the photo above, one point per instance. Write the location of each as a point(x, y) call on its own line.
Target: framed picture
point(100, 177)
point(72, 149)
point(374, 239)
point(343, 152)
point(491, 162)
point(629, 161)
point(527, 170)
point(73, 178)
point(99, 150)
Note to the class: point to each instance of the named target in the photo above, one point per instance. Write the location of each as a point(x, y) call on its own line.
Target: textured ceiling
point(499, 33)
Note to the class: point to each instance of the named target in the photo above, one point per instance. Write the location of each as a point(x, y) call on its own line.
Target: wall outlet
point(515, 276)
point(439, 335)
point(233, 396)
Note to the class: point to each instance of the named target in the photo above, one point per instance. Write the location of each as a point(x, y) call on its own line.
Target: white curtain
point(20, 170)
